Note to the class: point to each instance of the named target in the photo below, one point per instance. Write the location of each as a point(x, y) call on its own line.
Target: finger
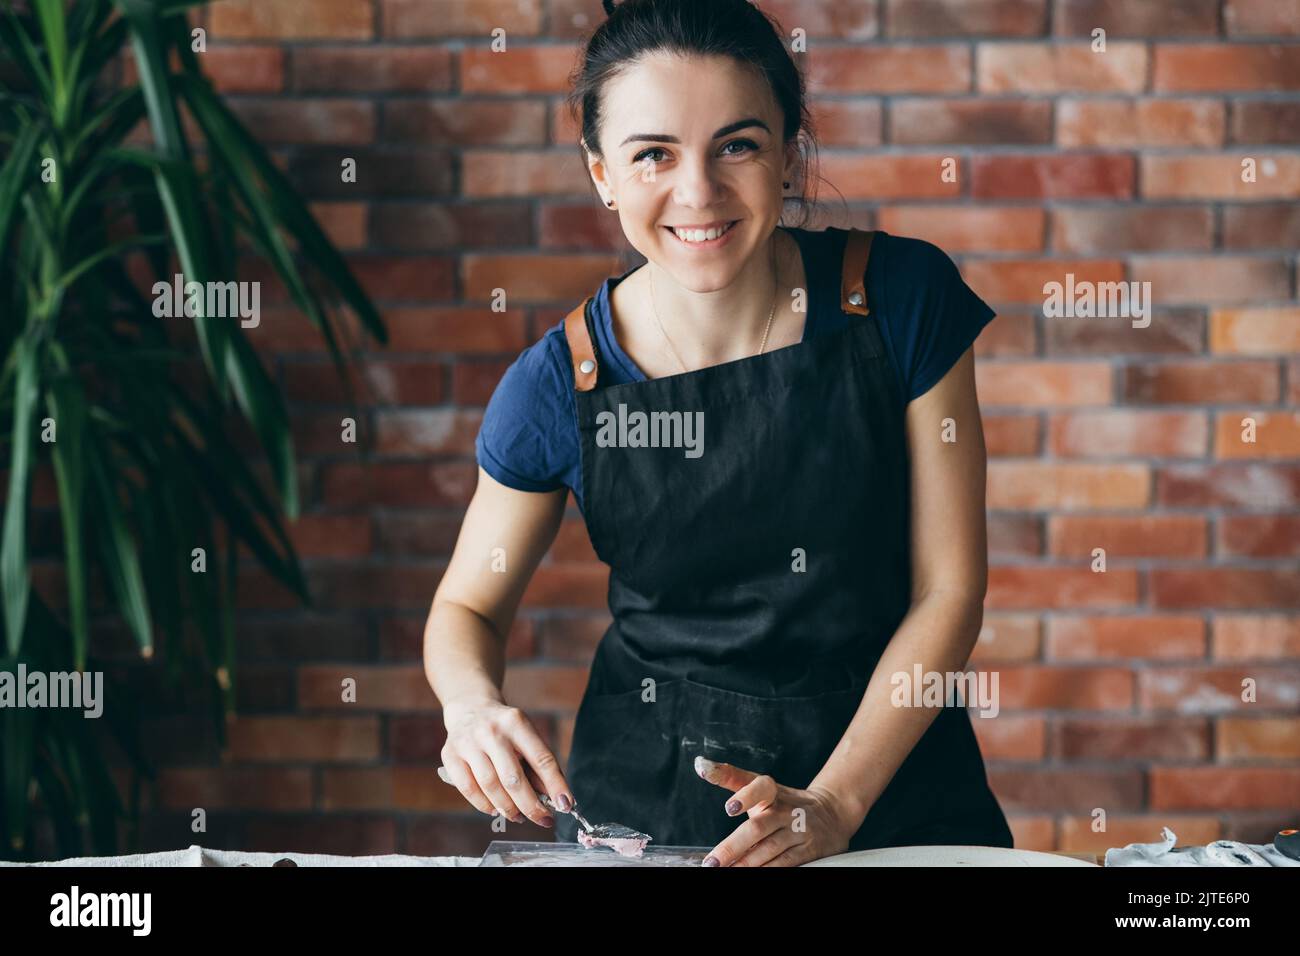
point(544, 768)
point(511, 774)
point(486, 774)
point(743, 839)
point(796, 855)
point(459, 775)
point(769, 848)
point(759, 794)
point(723, 774)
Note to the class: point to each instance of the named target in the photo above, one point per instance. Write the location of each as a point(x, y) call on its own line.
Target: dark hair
point(732, 28)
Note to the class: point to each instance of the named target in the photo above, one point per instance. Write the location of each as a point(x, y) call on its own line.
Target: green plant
point(144, 466)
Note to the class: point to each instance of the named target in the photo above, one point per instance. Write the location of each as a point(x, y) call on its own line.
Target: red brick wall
point(1120, 690)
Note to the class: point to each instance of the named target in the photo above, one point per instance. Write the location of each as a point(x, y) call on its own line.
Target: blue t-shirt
point(927, 317)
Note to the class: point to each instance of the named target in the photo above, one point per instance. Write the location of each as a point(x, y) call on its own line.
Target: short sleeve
point(932, 315)
point(528, 440)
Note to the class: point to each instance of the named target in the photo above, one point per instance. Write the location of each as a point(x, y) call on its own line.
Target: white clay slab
point(948, 856)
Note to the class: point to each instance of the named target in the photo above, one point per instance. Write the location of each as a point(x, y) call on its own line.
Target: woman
point(793, 528)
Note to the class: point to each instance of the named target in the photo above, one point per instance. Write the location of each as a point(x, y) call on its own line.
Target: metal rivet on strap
point(587, 366)
point(855, 298)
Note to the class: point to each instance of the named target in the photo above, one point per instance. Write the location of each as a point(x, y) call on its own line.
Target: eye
point(640, 157)
point(749, 144)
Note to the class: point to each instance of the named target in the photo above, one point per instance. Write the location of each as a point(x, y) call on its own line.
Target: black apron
point(753, 589)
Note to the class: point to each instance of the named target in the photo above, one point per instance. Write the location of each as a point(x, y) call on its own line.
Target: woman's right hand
point(498, 761)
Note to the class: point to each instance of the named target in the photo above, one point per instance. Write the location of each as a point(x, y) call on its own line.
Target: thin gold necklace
point(776, 291)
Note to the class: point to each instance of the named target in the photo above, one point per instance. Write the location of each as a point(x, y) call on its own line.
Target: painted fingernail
point(733, 807)
point(548, 821)
point(710, 861)
point(564, 802)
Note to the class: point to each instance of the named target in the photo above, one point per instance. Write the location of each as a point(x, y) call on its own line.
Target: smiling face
point(693, 142)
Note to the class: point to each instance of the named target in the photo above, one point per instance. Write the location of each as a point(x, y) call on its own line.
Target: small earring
point(609, 203)
point(786, 185)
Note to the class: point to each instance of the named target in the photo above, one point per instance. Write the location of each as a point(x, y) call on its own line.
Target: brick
point(465, 121)
point(1258, 536)
point(416, 738)
point(1134, 123)
point(1222, 788)
point(391, 383)
point(431, 431)
point(403, 278)
point(331, 536)
point(1225, 588)
point(319, 20)
point(848, 123)
point(1113, 637)
point(1171, 332)
point(315, 739)
point(488, 173)
point(1203, 382)
point(1060, 68)
point(1265, 121)
point(893, 69)
point(1060, 587)
point(1259, 331)
point(1261, 17)
point(933, 121)
point(1013, 336)
point(388, 788)
point(398, 484)
point(1218, 688)
point(1168, 536)
point(464, 331)
point(1264, 225)
point(1211, 279)
point(519, 69)
point(961, 18)
point(1123, 740)
point(395, 586)
point(1014, 536)
point(371, 69)
point(1277, 176)
point(1083, 229)
point(472, 383)
point(1127, 433)
point(404, 533)
point(1277, 435)
point(389, 689)
point(571, 639)
point(1023, 280)
point(1227, 67)
point(1007, 637)
point(979, 229)
point(344, 222)
point(418, 19)
point(572, 543)
point(425, 226)
point(1258, 738)
point(579, 228)
point(335, 834)
point(1011, 738)
point(308, 121)
point(1043, 383)
point(1073, 176)
point(1065, 688)
point(1074, 789)
point(383, 171)
point(1155, 18)
point(1273, 487)
point(1255, 637)
point(234, 788)
point(1067, 487)
point(244, 69)
point(1011, 435)
point(884, 177)
point(533, 278)
point(568, 585)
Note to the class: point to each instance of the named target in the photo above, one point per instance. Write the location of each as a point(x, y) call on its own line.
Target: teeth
point(700, 235)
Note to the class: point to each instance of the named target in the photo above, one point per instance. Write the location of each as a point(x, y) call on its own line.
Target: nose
point(698, 185)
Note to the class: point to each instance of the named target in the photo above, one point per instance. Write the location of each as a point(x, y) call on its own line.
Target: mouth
point(702, 243)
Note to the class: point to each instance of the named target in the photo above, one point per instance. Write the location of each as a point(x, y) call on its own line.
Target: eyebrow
point(664, 138)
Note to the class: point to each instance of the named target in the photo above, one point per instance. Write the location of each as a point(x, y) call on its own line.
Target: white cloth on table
point(1218, 853)
point(201, 856)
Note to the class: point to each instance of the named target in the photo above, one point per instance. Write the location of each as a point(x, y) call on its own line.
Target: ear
point(792, 159)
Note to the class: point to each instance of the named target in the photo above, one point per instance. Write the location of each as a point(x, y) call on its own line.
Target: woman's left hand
point(786, 826)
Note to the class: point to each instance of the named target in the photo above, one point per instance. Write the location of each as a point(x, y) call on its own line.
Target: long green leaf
point(68, 407)
point(120, 559)
point(15, 580)
point(54, 33)
point(16, 176)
